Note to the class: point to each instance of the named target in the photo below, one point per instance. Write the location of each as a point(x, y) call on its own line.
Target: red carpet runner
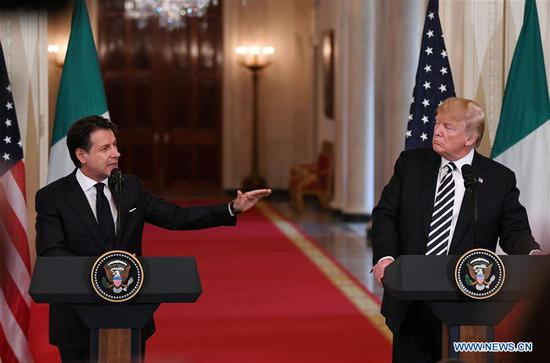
point(263, 301)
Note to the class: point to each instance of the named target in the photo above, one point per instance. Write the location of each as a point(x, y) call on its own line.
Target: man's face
point(451, 138)
point(102, 158)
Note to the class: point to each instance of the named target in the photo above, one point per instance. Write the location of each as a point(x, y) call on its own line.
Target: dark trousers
point(70, 355)
point(419, 338)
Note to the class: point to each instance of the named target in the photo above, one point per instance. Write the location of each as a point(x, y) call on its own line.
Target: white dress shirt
point(459, 190)
point(88, 187)
point(459, 186)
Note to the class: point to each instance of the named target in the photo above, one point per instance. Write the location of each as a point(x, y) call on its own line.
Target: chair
point(313, 179)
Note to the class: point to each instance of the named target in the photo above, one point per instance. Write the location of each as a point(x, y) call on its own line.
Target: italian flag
point(523, 137)
point(81, 91)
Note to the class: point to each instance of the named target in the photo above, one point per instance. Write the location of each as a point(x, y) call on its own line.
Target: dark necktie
point(442, 216)
point(104, 216)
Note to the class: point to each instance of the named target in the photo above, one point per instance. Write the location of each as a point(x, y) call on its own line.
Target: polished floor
point(344, 241)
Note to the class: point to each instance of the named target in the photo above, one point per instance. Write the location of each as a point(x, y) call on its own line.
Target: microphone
point(470, 180)
point(116, 181)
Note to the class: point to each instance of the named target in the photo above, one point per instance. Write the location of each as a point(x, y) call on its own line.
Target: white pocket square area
point(131, 210)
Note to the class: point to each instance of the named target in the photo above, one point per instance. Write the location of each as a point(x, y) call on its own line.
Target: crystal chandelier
point(171, 13)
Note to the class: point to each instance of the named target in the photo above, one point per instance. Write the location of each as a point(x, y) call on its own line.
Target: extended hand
point(245, 201)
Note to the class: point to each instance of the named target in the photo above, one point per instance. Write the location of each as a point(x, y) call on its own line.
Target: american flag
point(15, 302)
point(434, 82)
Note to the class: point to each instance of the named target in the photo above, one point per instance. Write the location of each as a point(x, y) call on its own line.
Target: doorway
point(164, 90)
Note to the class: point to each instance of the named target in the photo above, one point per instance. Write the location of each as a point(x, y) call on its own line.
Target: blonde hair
point(468, 111)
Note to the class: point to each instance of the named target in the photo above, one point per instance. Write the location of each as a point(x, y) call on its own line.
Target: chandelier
point(171, 14)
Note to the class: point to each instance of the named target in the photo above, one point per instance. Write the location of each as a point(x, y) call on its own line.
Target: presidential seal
point(117, 276)
point(479, 273)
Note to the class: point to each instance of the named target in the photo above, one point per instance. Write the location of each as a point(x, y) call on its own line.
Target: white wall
point(375, 63)
point(286, 126)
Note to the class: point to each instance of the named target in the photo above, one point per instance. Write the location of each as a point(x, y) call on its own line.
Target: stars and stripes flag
point(15, 302)
point(434, 82)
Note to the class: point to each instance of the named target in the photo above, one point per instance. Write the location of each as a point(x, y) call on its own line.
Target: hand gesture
point(245, 201)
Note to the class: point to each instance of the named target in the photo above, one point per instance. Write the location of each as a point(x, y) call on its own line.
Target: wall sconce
point(57, 54)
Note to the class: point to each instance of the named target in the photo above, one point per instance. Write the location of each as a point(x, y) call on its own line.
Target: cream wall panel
point(286, 128)
point(397, 50)
point(333, 15)
point(474, 37)
point(358, 151)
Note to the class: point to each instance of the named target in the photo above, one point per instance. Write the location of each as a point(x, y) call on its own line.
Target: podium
point(115, 327)
point(431, 279)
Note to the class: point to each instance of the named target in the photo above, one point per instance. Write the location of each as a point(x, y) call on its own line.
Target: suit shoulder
point(132, 180)
point(417, 155)
point(55, 187)
point(132, 183)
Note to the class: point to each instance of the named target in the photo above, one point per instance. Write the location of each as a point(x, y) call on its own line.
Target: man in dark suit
point(425, 209)
point(77, 214)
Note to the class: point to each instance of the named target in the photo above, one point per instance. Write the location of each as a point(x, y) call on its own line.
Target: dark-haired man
point(76, 215)
point(424, 210)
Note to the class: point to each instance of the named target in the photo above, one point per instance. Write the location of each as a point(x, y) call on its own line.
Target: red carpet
point(263, 301)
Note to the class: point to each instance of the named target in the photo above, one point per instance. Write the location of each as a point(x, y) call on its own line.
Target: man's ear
point(81, 155)
point(471, 139)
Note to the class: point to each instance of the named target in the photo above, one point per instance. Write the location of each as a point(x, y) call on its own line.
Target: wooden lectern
point(431, 279)
point(115, 327)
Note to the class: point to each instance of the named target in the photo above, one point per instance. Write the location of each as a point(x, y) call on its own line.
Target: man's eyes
point(450, 127)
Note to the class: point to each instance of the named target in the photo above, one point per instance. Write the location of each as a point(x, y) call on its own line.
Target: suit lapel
point(463, 232)
point(78, 202)
point(427, 196)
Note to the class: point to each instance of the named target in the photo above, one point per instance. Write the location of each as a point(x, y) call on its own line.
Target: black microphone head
point(115, 172)
point(468, 175)
point(116, 180)
point(466, 169)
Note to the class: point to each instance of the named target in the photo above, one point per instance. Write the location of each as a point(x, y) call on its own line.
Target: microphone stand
point(118, 217)
point(118, 236)
point(475, 212)
point(470, 184)
point(115, 183)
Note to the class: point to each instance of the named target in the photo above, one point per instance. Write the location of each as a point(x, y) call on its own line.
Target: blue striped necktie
point(442, 216)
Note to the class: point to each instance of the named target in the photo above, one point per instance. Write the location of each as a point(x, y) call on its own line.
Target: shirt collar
point(85, 182)
point(467, 159)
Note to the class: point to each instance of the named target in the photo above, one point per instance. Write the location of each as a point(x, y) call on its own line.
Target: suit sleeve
point(171, 216)
point(385, 217)
point(516, 237)
point(50, 235)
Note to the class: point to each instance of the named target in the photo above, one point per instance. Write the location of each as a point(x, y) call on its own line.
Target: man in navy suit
point(404, 219)
point(72, 222)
